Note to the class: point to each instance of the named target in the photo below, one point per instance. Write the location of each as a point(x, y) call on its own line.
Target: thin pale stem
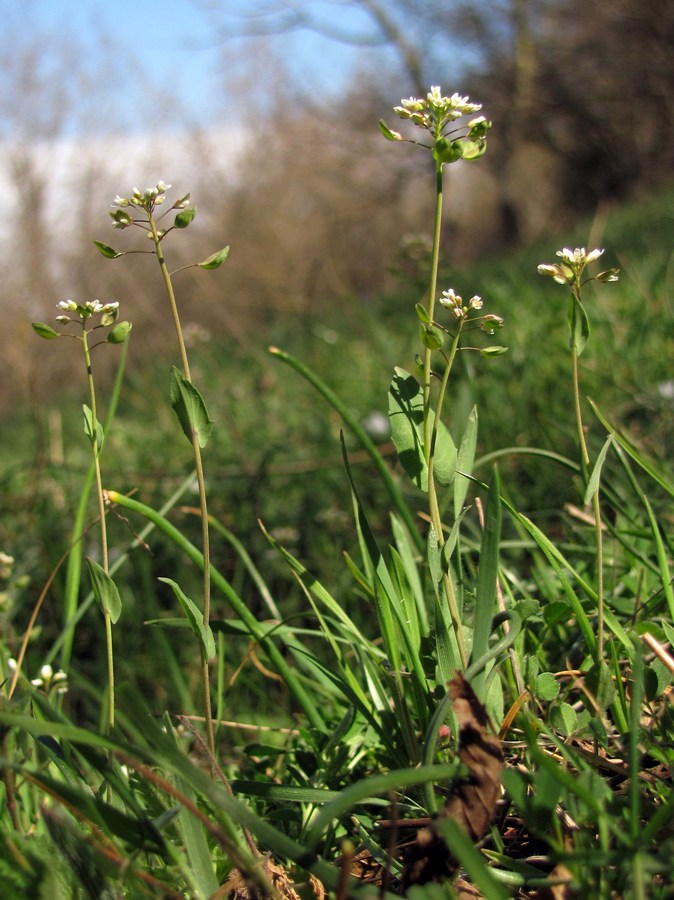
point(203, 502)
point(104, 530)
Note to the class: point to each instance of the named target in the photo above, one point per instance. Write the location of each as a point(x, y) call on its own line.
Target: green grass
point(333, 642)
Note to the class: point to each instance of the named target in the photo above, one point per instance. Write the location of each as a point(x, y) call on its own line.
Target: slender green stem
point(72, 585)
point(434, 507)
point(103, 524)
point(432, 291)
point(431, 422)
point(596, 507)
point(203, 503)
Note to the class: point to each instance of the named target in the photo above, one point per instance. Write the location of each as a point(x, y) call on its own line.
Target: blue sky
point(176, 44)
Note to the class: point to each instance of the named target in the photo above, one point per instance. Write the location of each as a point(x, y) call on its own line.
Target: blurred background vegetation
point(329, 228)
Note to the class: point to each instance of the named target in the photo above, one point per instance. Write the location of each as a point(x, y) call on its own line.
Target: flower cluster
point(146, 200)
point(72, 311)
point(108, 311)
point(435, 111)
point(454, 302)
point(461, 310)
point(48, 680)
point(572, 266)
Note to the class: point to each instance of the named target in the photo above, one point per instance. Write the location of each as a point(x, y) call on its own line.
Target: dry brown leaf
point(237, 887)
point(557, 891)
point(472, 802)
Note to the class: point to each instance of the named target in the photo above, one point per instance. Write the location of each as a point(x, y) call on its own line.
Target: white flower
point(67, 305)
point(573, 264)
point(475, 302)
point(578, 256)
point(450, 299)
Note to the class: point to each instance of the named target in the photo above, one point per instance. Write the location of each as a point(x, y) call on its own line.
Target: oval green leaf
point(44, 331)
point(215, 260)
point(107, 251)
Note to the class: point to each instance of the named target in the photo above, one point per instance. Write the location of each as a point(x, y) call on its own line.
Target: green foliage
point(331, 635)
point(105, 590)
point(190, 408)
point(407, 431)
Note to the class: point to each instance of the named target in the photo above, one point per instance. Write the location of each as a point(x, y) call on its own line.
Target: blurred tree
point(582, 90)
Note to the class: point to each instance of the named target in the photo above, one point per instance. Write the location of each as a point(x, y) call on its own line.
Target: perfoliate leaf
point(388, 133)
point(595, 477)
point(119, 333)
point(432, 337)
point(579, 325)
point(406, 414)
point(44, 331)
point(215, 260)
point(105, 590)
point(189, 406)
point(185, 217)
point(422, 312)
point(106, 251)
point(90, 430)
point(446, 151)
point(474, 149)
point(195, 618)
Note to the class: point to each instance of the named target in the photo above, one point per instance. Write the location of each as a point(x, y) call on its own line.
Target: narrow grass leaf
point(363, 790)
point(632, 451)
point(485, 599)
point(406, 549)
point(240, 608)
point(471, 860)
point(363, 437)
point(196, 843)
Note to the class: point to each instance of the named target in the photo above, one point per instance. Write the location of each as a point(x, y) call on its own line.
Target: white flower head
point(573, 264)
point(450, 299)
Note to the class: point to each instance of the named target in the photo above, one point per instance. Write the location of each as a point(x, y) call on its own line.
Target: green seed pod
point(119, 333)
